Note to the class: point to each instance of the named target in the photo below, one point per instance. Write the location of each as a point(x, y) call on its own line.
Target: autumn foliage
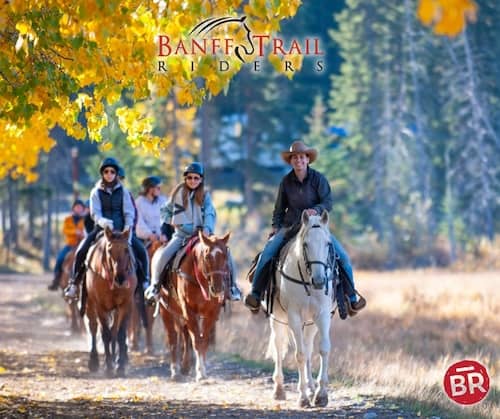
point(62, 62)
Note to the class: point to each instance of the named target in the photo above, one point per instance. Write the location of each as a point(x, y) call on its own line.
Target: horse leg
point(75, 324)
point(106, 340)
point(171, 340)
point(134, 327)
point(149, 329)
point(323, 322)
point(187, 350)
point(309, 334)
point(122, 346)
point(197, 340)
point(94, 357)
point(278, 343)
point(295, 323)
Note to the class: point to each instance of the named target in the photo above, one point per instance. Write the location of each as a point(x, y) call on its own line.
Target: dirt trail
point(43, 373)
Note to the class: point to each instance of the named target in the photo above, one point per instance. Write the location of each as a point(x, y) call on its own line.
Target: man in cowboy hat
point(301, 189)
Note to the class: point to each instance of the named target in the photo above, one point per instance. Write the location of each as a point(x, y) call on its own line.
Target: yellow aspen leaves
point(449, 17)
point(61, 60)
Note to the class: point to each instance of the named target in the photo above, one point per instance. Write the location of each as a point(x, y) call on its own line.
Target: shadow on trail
point(19, 407)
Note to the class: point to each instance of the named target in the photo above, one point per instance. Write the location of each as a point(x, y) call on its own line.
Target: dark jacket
point(295, 196)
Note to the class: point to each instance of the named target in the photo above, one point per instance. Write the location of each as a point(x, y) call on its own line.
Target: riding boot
point(54, 285)
point(259, 285)
point(234, 291)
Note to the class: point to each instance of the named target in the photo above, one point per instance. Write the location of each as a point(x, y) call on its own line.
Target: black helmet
point(78, 202)
point(194, 167)
point(121, 172)
point(109, 162)
point(150, 182)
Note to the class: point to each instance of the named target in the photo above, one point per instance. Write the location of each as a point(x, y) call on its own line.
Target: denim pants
point(60, 258)
point(273, 246)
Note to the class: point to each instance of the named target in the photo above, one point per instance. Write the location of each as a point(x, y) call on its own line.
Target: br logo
point(466, 382)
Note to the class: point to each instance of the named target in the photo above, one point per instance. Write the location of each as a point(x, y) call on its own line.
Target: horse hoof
point(304, 402)
point(200, 378)
point(185, 370)
point(150, 351)
point(320, 399)
point(279, 394)
point(120, 372)
point(110, 373)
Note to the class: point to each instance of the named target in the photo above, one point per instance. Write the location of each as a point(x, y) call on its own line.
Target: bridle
point(329, 265)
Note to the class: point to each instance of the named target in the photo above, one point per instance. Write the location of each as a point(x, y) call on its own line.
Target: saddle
point(175, 263)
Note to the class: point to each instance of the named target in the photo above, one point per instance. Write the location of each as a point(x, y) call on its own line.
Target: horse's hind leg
point(187, 350)
point(323, 323)
point(278, 343)
point(149, 329)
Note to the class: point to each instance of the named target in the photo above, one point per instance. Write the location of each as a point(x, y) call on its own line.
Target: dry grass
point(415, 325)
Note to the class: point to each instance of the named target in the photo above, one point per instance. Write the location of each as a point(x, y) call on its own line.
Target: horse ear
point(225, 239)
point(108, 232)
point(203, 238)
point(305, 217)
point(126, 232)
point(324, 217)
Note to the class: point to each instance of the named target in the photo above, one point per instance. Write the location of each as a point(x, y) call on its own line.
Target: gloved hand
point(105, 222)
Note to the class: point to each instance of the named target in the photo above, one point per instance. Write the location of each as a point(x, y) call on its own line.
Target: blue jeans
point(60, 258)
point(273, 246)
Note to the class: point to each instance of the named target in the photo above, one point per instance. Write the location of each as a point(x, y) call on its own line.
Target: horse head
point(316, 247)
point(117, 254)
point(213, 262)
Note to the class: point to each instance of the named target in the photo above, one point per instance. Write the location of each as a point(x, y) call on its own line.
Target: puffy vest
point(112, 207)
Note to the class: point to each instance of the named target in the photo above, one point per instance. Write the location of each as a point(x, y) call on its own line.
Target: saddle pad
point(183, 251)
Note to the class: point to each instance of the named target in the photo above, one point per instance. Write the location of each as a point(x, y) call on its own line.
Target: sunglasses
point(106, 171)
point(193, 177)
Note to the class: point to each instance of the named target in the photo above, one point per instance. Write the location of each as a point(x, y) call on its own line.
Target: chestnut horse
point(72, 312)
point(134, 327)
point(110, 281)
point(190, 306)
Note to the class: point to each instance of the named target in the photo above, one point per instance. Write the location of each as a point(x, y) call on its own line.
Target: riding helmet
point(151, 182)
point(121, 172)
point(194, 167)
point(109, 162)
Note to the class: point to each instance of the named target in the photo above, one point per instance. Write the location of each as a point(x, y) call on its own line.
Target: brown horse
point(134, 327)
point(72, 312)
point(110, 281)
point(190, 306)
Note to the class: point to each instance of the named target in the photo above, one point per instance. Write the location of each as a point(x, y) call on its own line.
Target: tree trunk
point(47, 234)
point(13, 213)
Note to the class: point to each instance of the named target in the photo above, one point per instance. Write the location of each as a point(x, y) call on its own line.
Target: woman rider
point(190, 208)
point(301, 189)
point(110, 206)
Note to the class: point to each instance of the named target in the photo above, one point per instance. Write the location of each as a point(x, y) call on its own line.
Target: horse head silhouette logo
point(210, 24)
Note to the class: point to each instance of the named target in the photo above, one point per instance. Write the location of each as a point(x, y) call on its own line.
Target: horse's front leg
point(323, 322)
point(122, 344)
point(278, 343)
point(309, 334)
point(295, 323)
point(94, 357)
point(197, 339)
point(106, 340)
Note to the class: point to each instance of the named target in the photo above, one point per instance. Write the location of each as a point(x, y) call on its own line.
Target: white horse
point(303, 305)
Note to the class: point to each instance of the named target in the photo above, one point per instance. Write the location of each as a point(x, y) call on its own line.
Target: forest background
point(405, 122)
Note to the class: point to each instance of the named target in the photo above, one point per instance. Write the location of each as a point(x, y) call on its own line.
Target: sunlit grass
point(416, 324)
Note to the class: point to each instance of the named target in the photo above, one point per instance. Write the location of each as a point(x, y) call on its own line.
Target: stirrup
point(71, 292)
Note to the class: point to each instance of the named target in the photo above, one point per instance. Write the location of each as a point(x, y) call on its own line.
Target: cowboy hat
point(299, 147)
